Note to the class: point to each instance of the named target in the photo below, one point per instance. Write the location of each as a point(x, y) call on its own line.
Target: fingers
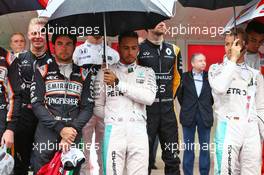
point(75, 132)
point(235, 42)
point(7, 139)
point(70, 138)
point(109, 77)
point(64, 146)
point(236, 45)
point(2, 141)
point(108, 72)
point(68, 132)
point(68, 141)
point(9, 144)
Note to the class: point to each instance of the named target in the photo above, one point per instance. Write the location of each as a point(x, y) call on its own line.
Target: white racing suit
point(85, 54)
point(124, 111)
point(238, 102)
point(254, 60)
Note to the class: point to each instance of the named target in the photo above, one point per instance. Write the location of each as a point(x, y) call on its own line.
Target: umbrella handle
point(104, 55)
point(234, 11)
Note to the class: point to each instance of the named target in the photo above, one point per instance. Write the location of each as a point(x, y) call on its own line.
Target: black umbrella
point(11, 6)
point(213, 4)
point(106, 17)
point(118, 15)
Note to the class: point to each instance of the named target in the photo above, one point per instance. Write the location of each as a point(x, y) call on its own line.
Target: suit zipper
point(159, 60)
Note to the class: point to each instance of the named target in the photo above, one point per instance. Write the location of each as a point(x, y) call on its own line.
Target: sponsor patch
point(72, 88)
point(3, 73)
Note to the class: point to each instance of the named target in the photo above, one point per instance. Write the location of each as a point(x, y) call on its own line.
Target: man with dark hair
point(195, 98)
point(123, 91)
point(238, 103)
point(165, 59)
point(61, 97)
point(255, 38)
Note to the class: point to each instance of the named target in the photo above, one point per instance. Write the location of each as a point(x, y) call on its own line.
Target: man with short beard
point(238, 94)
point(121, 95)
point(61, 97)
point(26, 125)
point(165, 59)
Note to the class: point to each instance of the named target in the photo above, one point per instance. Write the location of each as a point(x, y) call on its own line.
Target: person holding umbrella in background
point(91, 52)
point(165, 60)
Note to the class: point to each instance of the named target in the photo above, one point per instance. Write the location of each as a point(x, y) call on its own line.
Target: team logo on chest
point(62, 87)
point(140, 77)
point(168, 51)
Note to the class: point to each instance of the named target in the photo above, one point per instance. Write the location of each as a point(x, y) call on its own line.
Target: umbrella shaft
point(104, 55)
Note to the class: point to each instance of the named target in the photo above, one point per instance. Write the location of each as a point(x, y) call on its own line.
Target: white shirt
point(198, 81)
point(253, 60)
point(88, 53)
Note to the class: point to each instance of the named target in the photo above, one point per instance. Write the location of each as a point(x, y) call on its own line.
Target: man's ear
point(28, 35)
point(53, 47)
point(192, 64)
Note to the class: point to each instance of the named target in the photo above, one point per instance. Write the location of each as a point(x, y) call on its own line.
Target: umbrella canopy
point(253, 10)
point(11, 6)
point(213, 4)
point(117, 16)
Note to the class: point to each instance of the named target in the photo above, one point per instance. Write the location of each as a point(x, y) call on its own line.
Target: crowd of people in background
point(126, 98)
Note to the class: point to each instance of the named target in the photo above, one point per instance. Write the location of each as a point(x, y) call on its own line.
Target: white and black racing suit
point(123, 108)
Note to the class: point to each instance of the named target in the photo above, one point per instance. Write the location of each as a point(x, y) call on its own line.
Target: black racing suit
point(59, 102)
point(165, 60)
point(26, 125)
point(9, 91)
